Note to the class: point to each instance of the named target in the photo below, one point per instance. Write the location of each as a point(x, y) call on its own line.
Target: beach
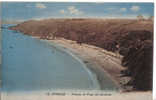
point(98, 60)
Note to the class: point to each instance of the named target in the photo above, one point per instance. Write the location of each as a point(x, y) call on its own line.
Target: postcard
point(77, 49)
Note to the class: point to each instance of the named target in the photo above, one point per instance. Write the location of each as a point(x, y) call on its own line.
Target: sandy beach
point(98, 60)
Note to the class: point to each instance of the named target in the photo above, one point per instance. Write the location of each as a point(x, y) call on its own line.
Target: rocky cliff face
point(131, 38)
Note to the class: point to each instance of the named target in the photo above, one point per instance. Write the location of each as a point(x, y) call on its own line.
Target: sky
point(43, 10)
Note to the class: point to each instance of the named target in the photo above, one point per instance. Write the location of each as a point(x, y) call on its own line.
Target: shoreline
point(76, 57)
point(103, 63)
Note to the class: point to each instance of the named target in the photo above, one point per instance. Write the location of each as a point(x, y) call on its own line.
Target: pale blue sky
point(40, 10)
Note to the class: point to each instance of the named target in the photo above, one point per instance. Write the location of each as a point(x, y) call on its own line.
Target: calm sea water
point(29, 64)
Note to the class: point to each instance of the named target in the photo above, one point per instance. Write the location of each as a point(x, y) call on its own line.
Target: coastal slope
point(131, 38)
